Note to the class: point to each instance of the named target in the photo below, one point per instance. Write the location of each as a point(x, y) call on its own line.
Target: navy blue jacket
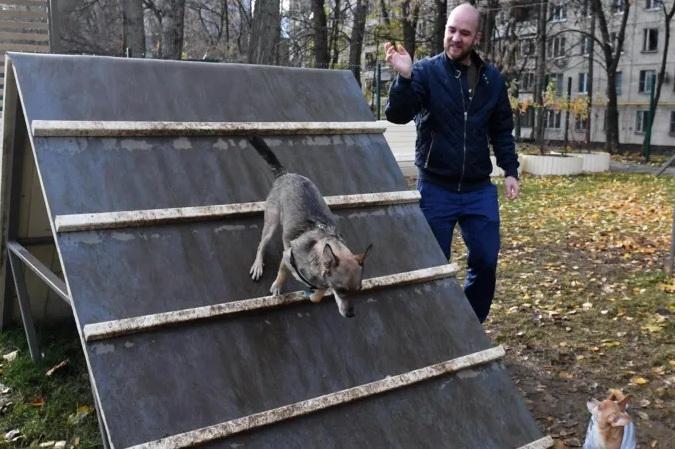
point(456, 124)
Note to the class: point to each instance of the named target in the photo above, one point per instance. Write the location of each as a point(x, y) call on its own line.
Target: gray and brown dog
point(314, 253)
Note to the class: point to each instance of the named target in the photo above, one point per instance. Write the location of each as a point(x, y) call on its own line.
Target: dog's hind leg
point(269, 228)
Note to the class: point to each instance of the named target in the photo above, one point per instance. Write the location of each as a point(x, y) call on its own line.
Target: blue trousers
point(477, 213)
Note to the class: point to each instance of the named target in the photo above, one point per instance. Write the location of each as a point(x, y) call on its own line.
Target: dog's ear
point(361, 257)
point(624, 402)
point(592, 405)
point(328, 258)
point(621, 419)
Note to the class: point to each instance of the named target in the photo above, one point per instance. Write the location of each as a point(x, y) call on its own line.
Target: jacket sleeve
point(406, 96)
point(501, 133)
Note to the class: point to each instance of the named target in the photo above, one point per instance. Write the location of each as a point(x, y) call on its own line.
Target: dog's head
point(612, 411)
point(343, 272)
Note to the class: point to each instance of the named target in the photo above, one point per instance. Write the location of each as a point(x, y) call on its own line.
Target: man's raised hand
point(399, 59)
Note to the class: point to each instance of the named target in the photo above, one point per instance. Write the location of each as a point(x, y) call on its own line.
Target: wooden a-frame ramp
point(154, 201)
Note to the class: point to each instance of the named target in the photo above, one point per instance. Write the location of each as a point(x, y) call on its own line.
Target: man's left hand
point(511, 187)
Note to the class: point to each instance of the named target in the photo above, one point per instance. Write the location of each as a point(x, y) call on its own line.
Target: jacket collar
point(476, 60)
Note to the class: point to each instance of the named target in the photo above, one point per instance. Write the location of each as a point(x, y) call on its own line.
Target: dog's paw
point(275, 289)
point(256, 270)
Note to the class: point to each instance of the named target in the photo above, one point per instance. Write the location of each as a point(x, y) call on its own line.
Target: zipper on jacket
point(426, 163)
point(466, 119)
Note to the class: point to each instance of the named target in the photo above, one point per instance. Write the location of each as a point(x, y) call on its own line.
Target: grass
point(582, 305)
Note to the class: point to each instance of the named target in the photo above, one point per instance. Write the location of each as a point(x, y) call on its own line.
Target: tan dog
point(610, 426)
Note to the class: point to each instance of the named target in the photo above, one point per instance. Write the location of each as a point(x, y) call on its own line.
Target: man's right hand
point(399, 59)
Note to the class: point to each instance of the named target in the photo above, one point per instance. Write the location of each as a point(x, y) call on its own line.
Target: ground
point(582, 305)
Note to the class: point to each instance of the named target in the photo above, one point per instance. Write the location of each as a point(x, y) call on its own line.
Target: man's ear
point(328, 258)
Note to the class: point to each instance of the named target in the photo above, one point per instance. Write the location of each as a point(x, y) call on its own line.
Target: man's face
point(461, 34)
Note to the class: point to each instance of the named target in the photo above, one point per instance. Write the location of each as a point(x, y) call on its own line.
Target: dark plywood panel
point(59, 87)
point(123, 273)
point(477, 409)
point(201, 374)
point(104, 175)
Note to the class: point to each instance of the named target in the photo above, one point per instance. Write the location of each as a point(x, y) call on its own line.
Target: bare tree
point(356, 41)
point(440, 18)
point(133, 26)
point(265, 33)
point(410, 12)
point(540, 78)
point(320, 31)
point(169, 16)
point(88, 26)
point(667, 18)
point(611, 51)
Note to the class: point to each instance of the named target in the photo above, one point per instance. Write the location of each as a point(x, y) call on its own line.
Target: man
point(460, 106)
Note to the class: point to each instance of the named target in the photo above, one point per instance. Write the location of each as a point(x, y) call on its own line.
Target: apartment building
point(568, 58)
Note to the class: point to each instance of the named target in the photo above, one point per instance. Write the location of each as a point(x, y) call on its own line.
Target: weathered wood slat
point(12, 25)
point(37, 267)
point(126, 326)
point(150, 217)
point(265, 418)
point(542, 443)
point(19, 36)
point(72, 128)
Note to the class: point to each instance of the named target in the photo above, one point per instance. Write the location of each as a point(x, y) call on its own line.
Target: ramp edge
point(542, 443)
point(150, 217)
point(126, 326)
point(83, 128)
point(238, 425)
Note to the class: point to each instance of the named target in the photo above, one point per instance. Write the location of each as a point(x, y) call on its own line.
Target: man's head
point(461, 32)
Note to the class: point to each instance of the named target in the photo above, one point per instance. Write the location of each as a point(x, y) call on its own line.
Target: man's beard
point(466, 51)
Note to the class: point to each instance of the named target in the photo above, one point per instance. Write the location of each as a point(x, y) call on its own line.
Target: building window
point(617, 6)
point(641, 118)
point(650, 40)
point(653, 4)
point(527, 82)
point(580, 123)
point(582, 88)
point(553, 119)
point(618, 82)
point(527, 47)
point(585, 45)
point(672, 122)
point(556, 47)
point(647, 78)
point(527, 119)
point(557, 80)
point(558, 12)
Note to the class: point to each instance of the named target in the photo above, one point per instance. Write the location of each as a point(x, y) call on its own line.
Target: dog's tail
point(266, 153)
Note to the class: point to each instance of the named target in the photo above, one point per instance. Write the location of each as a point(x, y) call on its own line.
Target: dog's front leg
point(280, 280)
point(317, 295)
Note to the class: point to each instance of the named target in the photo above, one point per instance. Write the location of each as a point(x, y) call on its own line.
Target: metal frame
point(76, 128)
point(150, 217)
point(126, 326)
point(246, 423)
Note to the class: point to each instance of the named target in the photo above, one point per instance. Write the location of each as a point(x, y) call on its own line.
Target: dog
point(610, 426)
point(314, 252)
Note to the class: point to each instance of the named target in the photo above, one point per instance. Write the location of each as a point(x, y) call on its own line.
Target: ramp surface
point(171, 380)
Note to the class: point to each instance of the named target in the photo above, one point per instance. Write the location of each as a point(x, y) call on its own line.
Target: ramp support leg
point(24, 306)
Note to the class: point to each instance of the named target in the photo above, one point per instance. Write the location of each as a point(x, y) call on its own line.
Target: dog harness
point(593, 437)
point(299, 273)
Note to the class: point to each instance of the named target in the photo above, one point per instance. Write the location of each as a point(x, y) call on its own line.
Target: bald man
point(461, 108)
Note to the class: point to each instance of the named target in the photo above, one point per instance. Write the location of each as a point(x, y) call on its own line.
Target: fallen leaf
point(11, 356)
point(56, 367)
point(38, 402)
point(638, 380)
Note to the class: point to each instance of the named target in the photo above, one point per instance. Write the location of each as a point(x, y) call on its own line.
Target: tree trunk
point(320, 32)
point(334, 35)
point(356, 44)
point(440, 20)
point(134, 28)
point(612, 123)
point(173, 14)
point(591, 62)
point(409, 23)
point(667, 16)
point(541, 75)
point(265, 33)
